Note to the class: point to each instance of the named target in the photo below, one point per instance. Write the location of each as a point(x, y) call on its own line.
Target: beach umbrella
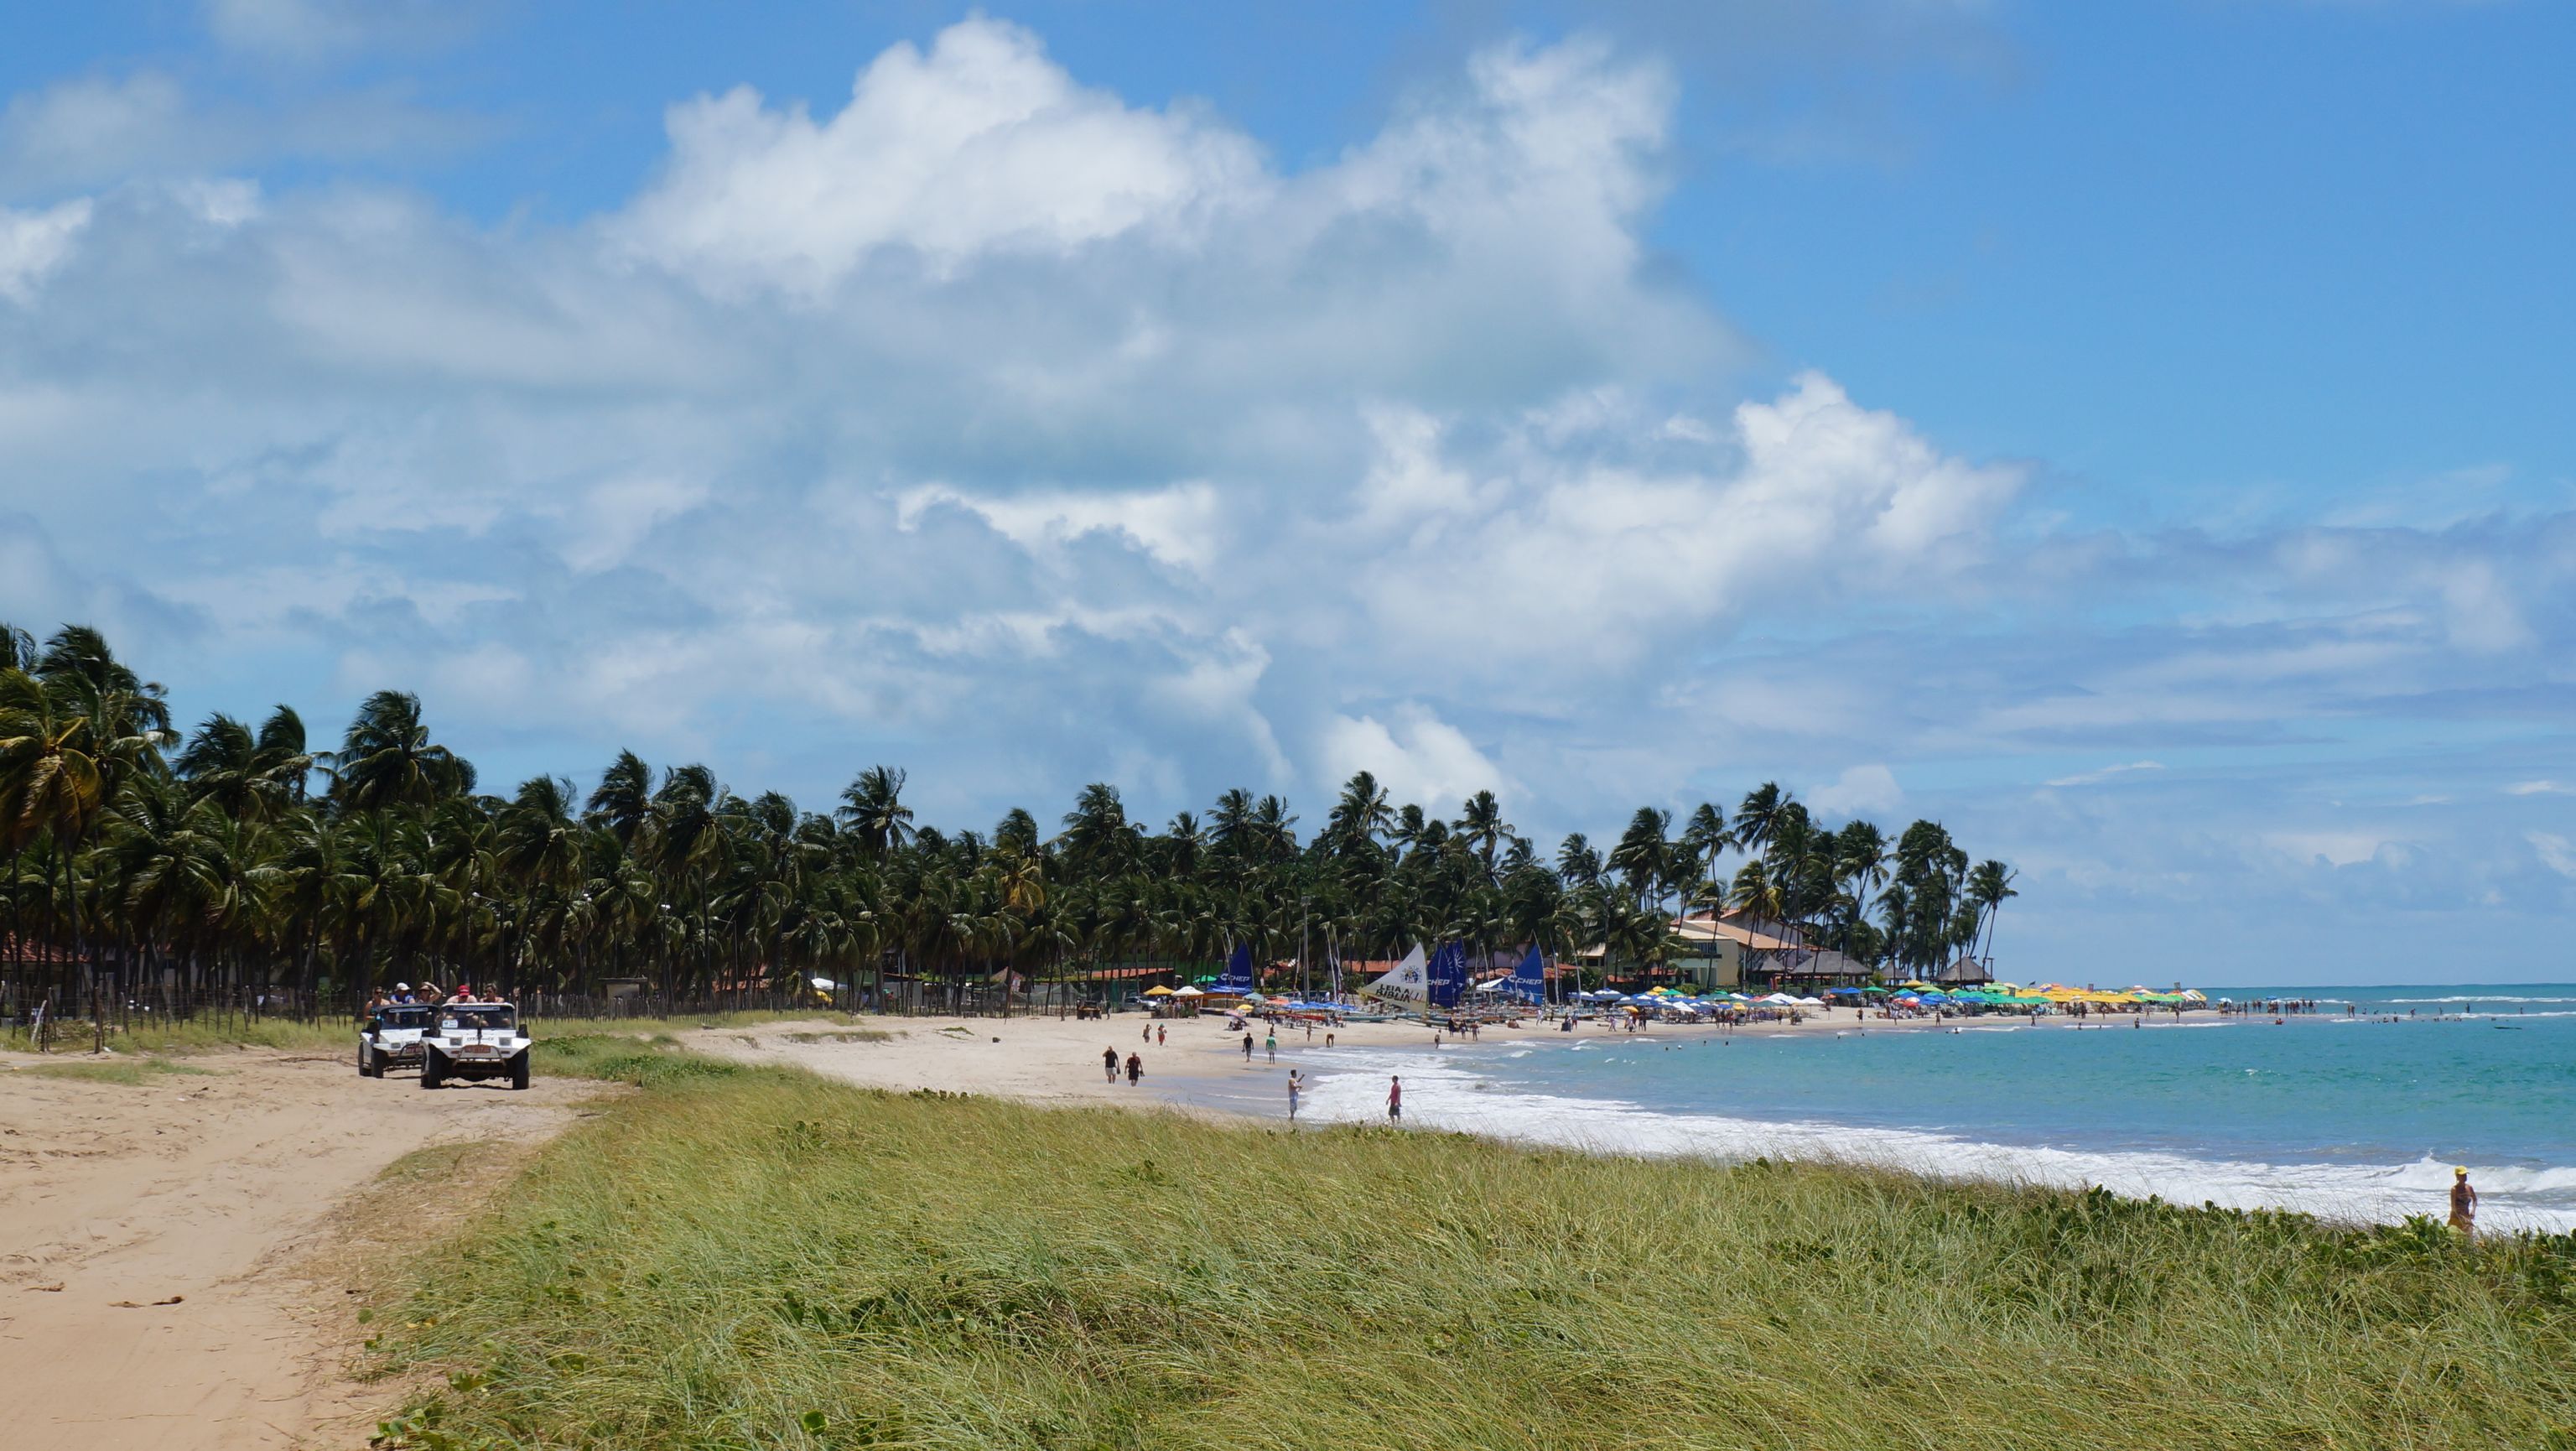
point(1158, 992)
point(1188, 992)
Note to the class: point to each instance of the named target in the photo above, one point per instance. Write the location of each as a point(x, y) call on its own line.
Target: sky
point(2130, 434)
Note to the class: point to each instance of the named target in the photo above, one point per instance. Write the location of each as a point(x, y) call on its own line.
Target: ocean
point(2342, 1116)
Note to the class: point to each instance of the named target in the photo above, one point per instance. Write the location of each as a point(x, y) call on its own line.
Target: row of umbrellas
point(1664, 997)
point(2049, 994)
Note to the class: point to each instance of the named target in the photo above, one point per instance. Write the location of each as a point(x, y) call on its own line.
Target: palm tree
point(17, 648)
point(388, 759)
point(1362, 814)
point(1097, 834)
point(51, 781)
point(684, 842)
point(1576, 861)
point(873, 809)
point(623, 801)
point(220, 763)
point(1989, 887)
point(1644, 853)
point(1758, 815)
point(1481, 826)
point(1860, 861)
point(1704, 838)
point(281, 762)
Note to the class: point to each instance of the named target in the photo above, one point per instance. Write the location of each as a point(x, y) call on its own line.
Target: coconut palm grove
point(229, 853)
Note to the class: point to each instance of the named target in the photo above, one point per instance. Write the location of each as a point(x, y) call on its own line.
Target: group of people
point(1157, 1035)
point(426, 995)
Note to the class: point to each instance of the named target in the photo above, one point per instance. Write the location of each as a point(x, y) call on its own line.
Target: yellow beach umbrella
point(1158, 992)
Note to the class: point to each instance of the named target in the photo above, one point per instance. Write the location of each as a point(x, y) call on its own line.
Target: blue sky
point(2130, 433)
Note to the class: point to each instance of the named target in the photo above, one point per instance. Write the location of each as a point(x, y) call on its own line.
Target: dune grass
point(743, 1257)
point(132, 1072)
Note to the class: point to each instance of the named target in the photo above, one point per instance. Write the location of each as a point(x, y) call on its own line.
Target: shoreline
point(1199, 1069)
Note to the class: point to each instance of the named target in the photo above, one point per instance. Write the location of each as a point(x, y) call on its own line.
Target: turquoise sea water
point(2346, 1115)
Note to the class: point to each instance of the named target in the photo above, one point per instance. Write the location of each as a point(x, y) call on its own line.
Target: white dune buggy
point(391, 1038)
point(475, 1041)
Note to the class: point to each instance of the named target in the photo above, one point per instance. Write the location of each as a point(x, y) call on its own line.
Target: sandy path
point(212, 1191)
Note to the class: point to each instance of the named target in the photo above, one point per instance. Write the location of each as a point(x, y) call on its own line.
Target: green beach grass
point(755, 1257)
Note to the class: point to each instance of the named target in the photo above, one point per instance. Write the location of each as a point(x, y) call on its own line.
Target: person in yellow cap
point(2464, 1204)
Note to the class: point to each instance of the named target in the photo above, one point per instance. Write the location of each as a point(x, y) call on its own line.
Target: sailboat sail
point(1446, 976)
point(1404, 982)
point(1238, 970)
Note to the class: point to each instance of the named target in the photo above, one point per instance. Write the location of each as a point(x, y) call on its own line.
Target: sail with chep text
point(1238, 970)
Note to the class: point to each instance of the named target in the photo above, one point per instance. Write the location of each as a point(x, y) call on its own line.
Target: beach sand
point(1200, 1065)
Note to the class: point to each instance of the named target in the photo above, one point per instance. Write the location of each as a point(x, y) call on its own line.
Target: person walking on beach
point(1247, 1045)
point(2464, 1204)
point(1296, 1086)
point(1135, 1068)
point(1149, 1032)
point(1270, 1045)
point(1109, 1061)
point(1395, 1098)
point(1162, 1036)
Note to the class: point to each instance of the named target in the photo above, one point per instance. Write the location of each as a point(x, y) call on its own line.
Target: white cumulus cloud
point(980, 143)
point(1417, 755)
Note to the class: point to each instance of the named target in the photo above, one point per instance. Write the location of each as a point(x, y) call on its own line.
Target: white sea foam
point(2476, 998)
point(1446, 1096)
